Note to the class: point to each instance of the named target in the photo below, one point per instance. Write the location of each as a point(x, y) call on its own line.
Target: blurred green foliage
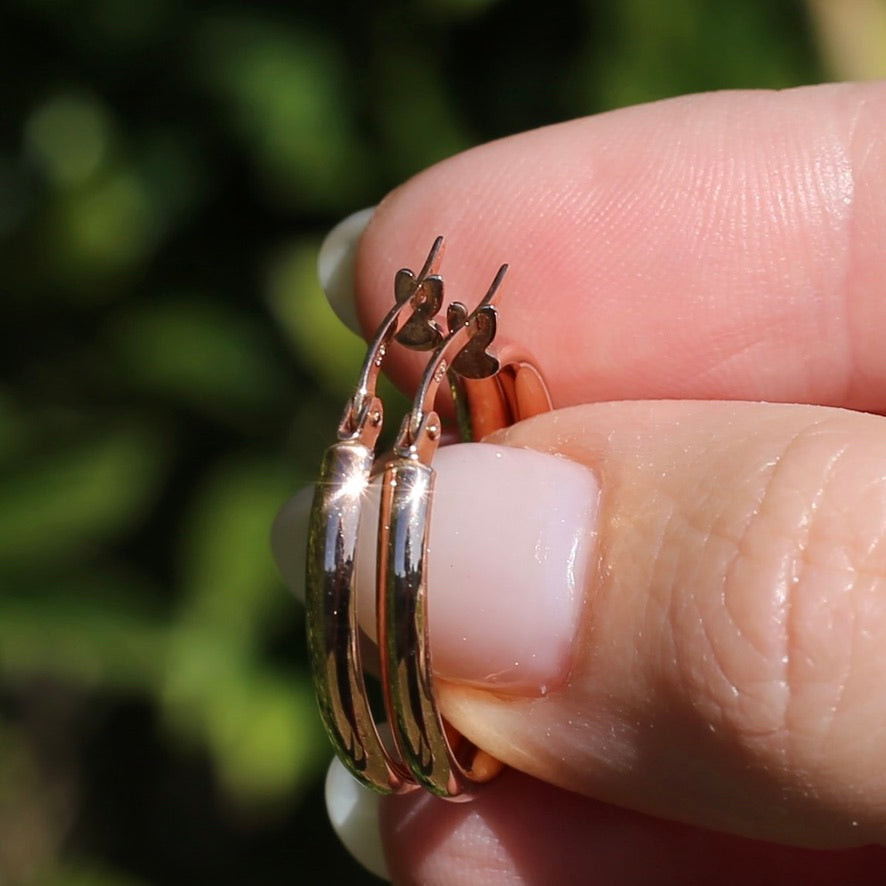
point(171, 373)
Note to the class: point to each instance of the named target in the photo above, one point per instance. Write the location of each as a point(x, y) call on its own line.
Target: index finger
point(720, 246)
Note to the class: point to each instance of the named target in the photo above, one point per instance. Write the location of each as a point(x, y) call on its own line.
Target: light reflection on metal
point(490, 391)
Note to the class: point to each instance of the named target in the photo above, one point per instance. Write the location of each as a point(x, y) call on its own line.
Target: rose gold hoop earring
point(489, 392)
point(331, 613)
point(439, 759)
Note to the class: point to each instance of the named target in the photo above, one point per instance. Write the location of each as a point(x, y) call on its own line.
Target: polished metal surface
point(330, 607)
point(332, 618)
point(416, 723)
point(402, 562)
point(491, 391)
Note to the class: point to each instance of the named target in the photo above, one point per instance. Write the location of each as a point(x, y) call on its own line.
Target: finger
point(353, 814)
point(289, 540)
point(715, 246)
point(520, 830)
point(694, 628)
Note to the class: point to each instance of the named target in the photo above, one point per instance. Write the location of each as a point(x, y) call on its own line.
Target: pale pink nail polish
point(512, 536)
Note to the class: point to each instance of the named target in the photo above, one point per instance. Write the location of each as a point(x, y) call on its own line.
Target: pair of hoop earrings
point(490, 391)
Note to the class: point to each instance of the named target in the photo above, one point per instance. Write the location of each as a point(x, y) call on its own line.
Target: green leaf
point(261, 727)
point(229, 583)
point(266, 736)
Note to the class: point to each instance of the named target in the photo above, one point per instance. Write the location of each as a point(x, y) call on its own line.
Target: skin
point(729, 666)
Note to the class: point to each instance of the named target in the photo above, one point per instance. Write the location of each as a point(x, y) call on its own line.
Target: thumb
point(678, 607)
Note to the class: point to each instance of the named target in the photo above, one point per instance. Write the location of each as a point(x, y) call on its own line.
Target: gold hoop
point(491, 391)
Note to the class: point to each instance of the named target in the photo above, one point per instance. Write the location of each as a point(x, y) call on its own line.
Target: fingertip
point(353, 812)
point(336, 266)
point(503, 517)
point(289, 534)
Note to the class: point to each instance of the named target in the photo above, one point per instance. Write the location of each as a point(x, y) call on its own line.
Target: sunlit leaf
point(261, 727)
point(228, 579)
point(266, 736)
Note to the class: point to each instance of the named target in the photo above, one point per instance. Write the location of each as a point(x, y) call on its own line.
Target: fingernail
point(353, 812)
point(289, 540)
point(512, 535)
point(335, 266)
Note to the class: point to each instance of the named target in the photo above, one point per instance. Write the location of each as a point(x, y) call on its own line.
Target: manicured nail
point(512, 535)
point(289, 539)
point(353, 811)
point(335, 266)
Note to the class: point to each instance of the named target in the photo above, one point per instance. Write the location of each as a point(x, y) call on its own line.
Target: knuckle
point(785, 657)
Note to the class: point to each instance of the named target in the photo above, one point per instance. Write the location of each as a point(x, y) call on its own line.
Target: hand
point(700, 694)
